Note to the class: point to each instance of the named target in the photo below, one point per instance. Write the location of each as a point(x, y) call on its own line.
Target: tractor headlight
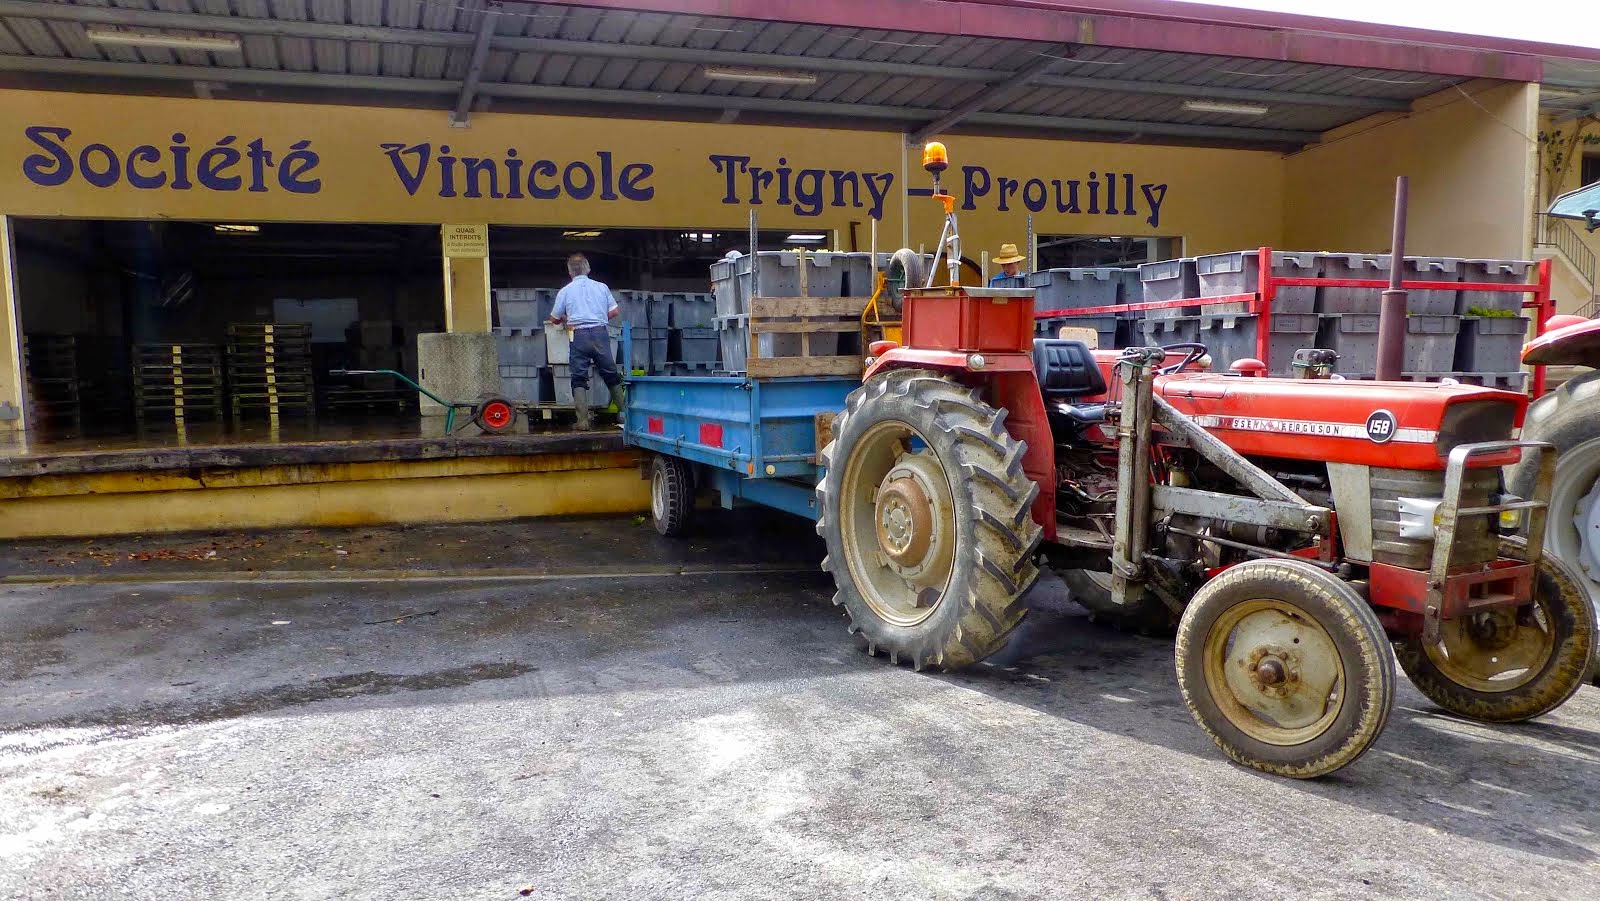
point(1419, 516)
point(1510, 521)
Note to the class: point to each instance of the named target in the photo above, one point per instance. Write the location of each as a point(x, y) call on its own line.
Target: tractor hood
point(1401, 425)
point(1574, 345)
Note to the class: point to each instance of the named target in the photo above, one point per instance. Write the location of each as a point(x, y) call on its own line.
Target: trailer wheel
point(1092, 590)
point(671, 495)
point(1285, 667)
point(494, 414)
point(1567, 418)
point(927, 517)
point(1509, 664)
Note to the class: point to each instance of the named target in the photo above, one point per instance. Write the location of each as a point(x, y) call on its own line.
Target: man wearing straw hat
point(1010, 263)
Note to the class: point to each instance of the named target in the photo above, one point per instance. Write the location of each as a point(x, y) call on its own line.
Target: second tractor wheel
point(927, 516)
point(1092, 590)
point(1508, 664)
point(1285, 667)
point(671, 495)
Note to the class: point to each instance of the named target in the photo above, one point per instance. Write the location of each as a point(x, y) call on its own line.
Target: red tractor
point(1303, 533)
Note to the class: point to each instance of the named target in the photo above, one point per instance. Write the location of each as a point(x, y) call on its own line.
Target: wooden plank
point(779, 367)
point(779, 307)
point(768, 327)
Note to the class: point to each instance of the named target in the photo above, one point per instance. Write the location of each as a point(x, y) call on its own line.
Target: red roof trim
point(1142, 24)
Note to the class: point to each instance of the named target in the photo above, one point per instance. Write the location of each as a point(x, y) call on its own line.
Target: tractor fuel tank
point(1397, 425)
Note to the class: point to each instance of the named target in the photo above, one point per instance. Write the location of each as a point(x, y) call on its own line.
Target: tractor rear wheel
point(1285, 667)
point(1509, 664)
point(927, 517)
point(1092, 590)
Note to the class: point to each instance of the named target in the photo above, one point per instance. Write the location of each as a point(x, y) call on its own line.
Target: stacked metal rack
point(1475, 339)
point(54, 397)
point(269, 369)
point(176, 383)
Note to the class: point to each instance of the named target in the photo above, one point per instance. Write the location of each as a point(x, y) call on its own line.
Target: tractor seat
point(1066, 369)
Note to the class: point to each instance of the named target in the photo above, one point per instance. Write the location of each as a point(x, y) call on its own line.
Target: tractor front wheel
point(927, 517)
point(1285, 667)
point(1509, 664)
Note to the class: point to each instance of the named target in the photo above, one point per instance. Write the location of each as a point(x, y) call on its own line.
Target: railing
point(1558, 233)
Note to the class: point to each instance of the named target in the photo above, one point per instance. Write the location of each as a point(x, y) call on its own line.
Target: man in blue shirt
point(586, 306)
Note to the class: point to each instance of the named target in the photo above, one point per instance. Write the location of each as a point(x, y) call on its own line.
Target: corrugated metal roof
point(37, 31)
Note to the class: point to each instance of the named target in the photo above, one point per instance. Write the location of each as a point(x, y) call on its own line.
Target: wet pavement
point(683, 734)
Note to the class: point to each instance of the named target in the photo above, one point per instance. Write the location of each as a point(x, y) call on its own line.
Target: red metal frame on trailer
point(1261, 301)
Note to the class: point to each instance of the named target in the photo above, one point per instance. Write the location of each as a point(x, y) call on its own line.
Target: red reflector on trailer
point(710, 434)
point(655, 426)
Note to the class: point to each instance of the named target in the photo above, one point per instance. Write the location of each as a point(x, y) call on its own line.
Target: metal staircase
point(1559, 235)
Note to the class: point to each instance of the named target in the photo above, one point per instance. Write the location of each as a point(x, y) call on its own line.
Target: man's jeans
point(593, 346)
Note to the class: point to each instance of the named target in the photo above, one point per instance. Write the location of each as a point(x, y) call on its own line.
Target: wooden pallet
point(803, 316)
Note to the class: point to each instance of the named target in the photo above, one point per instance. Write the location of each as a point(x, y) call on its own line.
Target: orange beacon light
point(935, 158)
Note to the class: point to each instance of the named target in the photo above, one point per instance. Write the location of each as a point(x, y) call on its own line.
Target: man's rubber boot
point(619, 396)
point(580, 403)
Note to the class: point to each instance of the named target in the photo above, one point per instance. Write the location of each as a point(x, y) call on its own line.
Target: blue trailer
point(748, 439)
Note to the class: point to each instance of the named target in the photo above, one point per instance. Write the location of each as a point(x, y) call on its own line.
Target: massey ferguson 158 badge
point(1380, 426)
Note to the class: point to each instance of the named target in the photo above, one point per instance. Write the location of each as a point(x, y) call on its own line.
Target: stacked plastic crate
point(692, 343)
point(1075, 289)
point(1231, 331)
point(520, 343)
point(1493, 329)
point(778, 273)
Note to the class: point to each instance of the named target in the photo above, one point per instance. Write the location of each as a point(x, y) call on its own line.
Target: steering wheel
point(1192, 353)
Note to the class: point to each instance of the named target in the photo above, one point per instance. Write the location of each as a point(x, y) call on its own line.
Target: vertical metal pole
point(1392, 315)
point(1267, 291)
point(1033, 248)
point(1543, 308)
point(1132, 524)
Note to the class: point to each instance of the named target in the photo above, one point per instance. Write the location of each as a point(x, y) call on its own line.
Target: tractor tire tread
point(988, 597)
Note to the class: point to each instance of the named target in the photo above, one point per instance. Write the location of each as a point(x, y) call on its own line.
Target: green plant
point(1488, 313)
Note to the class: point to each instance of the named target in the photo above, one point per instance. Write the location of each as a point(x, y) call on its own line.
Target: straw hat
point(1008, 254)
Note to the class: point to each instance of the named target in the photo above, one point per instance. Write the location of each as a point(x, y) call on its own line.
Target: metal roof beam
point(996, 93)
point(487, 19)
point(92, 15)
point(592, 96)
point(1209, 92)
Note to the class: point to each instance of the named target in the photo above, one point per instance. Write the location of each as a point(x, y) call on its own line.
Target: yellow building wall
point(1470, 160)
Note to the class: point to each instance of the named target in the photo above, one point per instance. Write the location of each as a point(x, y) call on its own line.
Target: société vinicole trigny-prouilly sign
point(60, 156)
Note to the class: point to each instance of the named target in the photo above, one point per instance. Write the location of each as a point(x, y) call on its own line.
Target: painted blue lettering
point(630, 181)
point(54, 166)
point(410, 179)
point(216, 161)
point(100, 178)
point(730, 167)
point(296, 164)
point(149, 154)
point(537, 191)
point(971, 187)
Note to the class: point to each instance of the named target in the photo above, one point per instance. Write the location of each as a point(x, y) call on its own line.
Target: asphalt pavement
point(591, 712)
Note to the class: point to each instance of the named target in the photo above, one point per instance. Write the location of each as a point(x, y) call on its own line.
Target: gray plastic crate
point(1354, 337)
point(681, 368)
point(524, 385)
point(1429, 301)
point(641, 309)
point(561, 385)
point(1173, 330)
point(520, 346)
point(1491, 343)
point(1431, 343)
point(688, 310)
point(1495, 272)
point(649, 350)
point(1169, 280)
point(692, 345)
point(523, 307)
point(725, 287)
point(733, 336)
point(779, 274)
point(1070, 289)
point(1232, 337)
point(1105, 327)
point(1239, 272)
point(1011, 281)
point(1361, 301)
point(1433, 301)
